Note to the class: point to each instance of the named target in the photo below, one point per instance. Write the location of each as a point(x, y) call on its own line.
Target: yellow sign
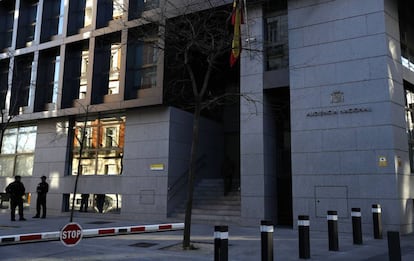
point(158, 166)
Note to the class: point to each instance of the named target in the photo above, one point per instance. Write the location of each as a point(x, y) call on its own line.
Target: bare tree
point(80, 135)
point(196, 39)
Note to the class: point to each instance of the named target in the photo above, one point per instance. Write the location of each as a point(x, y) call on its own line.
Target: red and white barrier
point(95, 232)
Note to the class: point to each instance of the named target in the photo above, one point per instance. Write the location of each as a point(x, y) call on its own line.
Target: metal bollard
point(376, 221)
point(356, 226)
point(304, 243)
point(333, 230)
point(221, 238)
point(394, 248)
point(266, 231)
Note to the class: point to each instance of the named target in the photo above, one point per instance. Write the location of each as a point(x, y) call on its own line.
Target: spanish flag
point(236, 20)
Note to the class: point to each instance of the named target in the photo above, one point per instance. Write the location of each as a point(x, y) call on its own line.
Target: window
point(88, 13)
point(118, 9)
point(55, 82)
point(83, 85)
point(276, 44)
point(136, 7)
point(409, 117)
point(4, 82)
point(141, 64)
point(27, 23)
point(98, 203)
point(47, 80)
point(17, 151)
point(102, 150)
point(80, 15)
point(21, 84)
point(52, 19)
point(6, 24)
point(115, 67)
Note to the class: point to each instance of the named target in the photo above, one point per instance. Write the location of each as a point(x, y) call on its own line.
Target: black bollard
point(266, 231)
point(356, 226)
point(333, 230)
point(376, 221)
point(221, 238)
point(394, 249)
point(304, 243)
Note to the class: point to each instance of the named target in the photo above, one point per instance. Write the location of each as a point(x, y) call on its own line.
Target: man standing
point(42, 189)
point(84, 203)
point(16, 190)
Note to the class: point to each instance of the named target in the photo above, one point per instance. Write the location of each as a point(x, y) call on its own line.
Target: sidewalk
point(244, 243)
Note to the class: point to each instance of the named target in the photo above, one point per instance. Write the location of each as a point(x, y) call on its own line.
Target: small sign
point(382, 161)
point(71, 234)
point(158, 166)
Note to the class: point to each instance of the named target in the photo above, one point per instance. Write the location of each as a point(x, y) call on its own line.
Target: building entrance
point(278, 106)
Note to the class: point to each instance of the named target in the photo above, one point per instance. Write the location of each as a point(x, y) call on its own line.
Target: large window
point(17, 151)
point(98, 146)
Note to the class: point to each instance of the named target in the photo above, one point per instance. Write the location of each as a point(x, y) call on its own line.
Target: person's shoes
point(13, 219)
point(43, 217)
point(22, 219)
point(35, 216)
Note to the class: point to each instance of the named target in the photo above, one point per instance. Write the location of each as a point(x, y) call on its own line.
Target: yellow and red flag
point(236, 21)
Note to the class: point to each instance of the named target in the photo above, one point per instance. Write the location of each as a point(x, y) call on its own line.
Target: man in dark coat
point(16, 191)
point(42, 189)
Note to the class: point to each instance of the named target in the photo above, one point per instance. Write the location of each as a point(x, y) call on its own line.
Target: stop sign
point(71, 234)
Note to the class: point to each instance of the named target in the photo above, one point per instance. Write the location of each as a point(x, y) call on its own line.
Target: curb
point(95, 232)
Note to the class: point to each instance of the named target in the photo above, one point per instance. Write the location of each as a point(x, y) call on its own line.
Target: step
point(211, 208)
point(208, 218)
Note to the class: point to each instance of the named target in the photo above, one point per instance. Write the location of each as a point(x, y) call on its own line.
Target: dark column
point(333, 230)
point(376, 221)
point(304, 243)
point(394, 249)
point(221, 238)
point(356, 226)
point(266, 231)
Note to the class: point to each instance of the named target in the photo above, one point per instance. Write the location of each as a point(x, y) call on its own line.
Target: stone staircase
point(210, 206)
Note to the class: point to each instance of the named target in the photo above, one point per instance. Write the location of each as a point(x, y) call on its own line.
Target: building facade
point(330, 129)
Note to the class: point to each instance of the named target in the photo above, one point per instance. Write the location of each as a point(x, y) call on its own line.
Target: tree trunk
point(191, 175)
point(79, 167)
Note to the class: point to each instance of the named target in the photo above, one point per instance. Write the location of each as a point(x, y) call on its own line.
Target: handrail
point(174, 188)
